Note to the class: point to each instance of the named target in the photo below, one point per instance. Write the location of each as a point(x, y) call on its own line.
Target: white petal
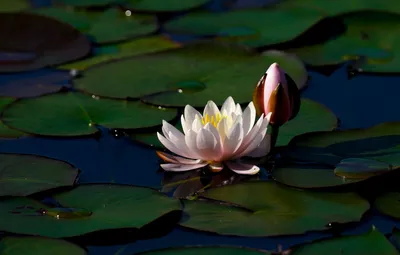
point(176, 159)
point(172, 147)
point(249, 117)
point(211, 109)
point(206, 144)
point(171, 133)
point(251, 135)
point(233, 141)
point(218, 150)
point(255, 141)
point(238, 109)
point(190, 114)
point(241, 168)
point(238, 121)
point(228, 107)
point(262, 149)
point(181, 167)
point(190, 141)
point(196, 124)
point(185, 127)
point(222, 128)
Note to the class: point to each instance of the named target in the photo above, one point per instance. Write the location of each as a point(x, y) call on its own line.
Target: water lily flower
point(278, 94)
point(216, 138)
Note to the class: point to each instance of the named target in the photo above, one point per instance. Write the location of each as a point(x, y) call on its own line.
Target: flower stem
point(274, 135)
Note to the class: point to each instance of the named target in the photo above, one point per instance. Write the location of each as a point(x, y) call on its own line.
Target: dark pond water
point(359, 101)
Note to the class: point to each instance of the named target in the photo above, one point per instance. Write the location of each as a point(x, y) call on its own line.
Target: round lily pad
point(14, 5)
point(164, 5)
point(252, 27)
point(262, 208)
point(35, 83)
point(334, 8)
point(35, 41)
point(110, 26)
point(6, 132)
point(135, 47)
point(371, 243)
point(347, 171)
point(380, 142)
point(38, 245)
point(88, 3)
point(206, 250)
point(371, 40)
point(86, 208)
point(312, 116)
point(74, 114)
point(22, 175)
point(191, 75)
point(389, 204)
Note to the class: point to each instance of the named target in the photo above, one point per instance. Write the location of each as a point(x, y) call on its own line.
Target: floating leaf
point(88, 3)
point(38, 245)
point(269, 209)
point(191, 75)
point(334, 8)
point(164, 5)
point(6, 132)
point(248, 27)
point(389, 204)
point(108, 26)
point(13, 5)
point(34, 41)
point(206, 250)
point(101, 207)
point(312, 116)
point(360, 168)
point(380, 142)
point(371, 39)
point(73, 114)
point(22, 175)
point(32, 84)
point(138, 46)
point(371, 243)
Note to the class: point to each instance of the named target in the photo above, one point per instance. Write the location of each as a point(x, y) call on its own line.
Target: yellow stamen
point(214, 120)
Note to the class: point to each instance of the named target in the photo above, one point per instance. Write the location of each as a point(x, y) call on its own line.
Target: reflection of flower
point(278, 94)
point(216, 138)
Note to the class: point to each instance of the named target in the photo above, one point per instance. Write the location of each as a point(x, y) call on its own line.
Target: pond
point(85, 86)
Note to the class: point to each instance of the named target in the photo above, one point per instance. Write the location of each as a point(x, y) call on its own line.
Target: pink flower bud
point(278, 94)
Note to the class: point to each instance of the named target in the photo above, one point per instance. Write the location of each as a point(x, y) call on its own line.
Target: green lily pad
point(74, 114)
point(389, 204)
point(312, 116)
point(206, 250)
point(88, 208)
point(135, 47)
point(34, 41)
point(380, 142)
point(356, 168)
point(347, 171)
point(252, 27)
point(395, 238)
point(6, 132)
point(334, 8)
point(164, 5)
point(14, 5)
point(10, 245)
point(371, 243)
point(371, 40)
point(269, 209)
point(191, 75)
point(88, 3)
point(110, 26)
point(22, 175)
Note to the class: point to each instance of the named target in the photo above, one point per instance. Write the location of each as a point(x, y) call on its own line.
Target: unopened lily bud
point(278, 94)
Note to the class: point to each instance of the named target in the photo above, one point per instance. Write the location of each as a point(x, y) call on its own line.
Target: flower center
point(214, 120)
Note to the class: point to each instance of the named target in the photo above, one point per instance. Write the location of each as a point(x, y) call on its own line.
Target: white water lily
point(216, 138)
